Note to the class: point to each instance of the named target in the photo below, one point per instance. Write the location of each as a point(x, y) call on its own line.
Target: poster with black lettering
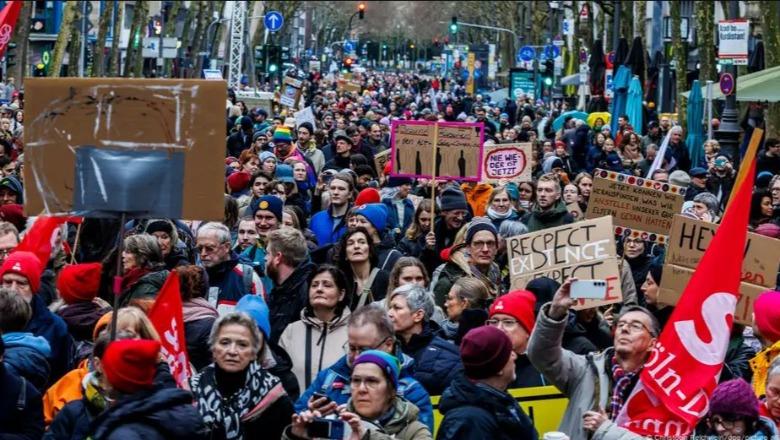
point(585, 250)
point(506, 161)
point(635, 204)
point(458, 152)
point(689, 239)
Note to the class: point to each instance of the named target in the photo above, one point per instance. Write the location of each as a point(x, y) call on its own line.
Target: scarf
point(498, 216)
point(760, 366)
point(624, 382)
point(259, 392)
point(197, 309)
point(132, 276)
point(93, 393)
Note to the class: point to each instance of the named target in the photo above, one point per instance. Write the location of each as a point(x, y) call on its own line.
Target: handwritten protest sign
point(348, 85)
point(585, 249)
point(458, 153)
point(291, 92)
point(634, 203)
point(506, 161)
point(689, 239)
point(380, 160)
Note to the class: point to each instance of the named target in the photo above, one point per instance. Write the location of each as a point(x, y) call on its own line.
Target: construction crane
point(237, 39)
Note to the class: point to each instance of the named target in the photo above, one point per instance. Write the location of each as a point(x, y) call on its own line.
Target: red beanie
point(79, 282)
point(519, 305)
point(484, 351)
point(766, 311)
point(25, 264)
point(368, 195)
point(238, 181)
point(14, 214)
point(130, 364)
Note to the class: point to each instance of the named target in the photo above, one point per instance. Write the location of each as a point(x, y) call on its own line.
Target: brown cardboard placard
point(575, 210)
point(291, 92)
point(635, 203)
point(138, 114)
point(689, 239)
point(584, 249)
point(506, 161)
point(348, 85)
point(380, 160)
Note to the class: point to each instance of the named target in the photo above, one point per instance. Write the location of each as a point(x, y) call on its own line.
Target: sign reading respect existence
point(635, 204)
point(690, 238)
point(458, 152)
point(585, 250)
point(506, 161)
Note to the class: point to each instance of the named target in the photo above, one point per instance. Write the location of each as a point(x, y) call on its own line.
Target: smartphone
point(316, 396)
point(332, 429)
point(589, 289)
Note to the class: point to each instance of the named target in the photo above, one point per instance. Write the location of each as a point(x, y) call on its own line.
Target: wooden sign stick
point(433, 172)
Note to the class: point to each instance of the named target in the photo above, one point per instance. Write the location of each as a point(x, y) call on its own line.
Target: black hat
point(452, 199)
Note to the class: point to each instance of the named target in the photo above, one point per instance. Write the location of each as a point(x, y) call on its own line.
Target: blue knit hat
point(480, 224)
point(272, 204)
point(387, 362)
point(265, 155)
point(284, 173)
point(257, 309)
point(282, 135)
point(376, 214)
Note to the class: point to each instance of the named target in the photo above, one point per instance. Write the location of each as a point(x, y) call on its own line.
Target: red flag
point(681, 373)
point(166, 315)
point(38, 239)
point(8, 17)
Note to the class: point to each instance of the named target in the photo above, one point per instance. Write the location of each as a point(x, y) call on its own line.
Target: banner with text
point(584, 249)
point(507, 161)
point(635, 203)
point(458, 152)
point(689, 239)
point(733, 36)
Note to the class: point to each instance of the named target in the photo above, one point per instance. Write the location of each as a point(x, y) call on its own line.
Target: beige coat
point(326, 344)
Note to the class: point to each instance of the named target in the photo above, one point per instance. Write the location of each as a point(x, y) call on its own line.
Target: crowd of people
point(335, 297)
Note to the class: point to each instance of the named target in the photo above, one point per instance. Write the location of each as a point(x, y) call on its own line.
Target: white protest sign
point(305, 115)
point(506, 161)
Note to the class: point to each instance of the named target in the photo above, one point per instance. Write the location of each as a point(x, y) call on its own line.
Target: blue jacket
point(28, 356)
point(392, 215)
point(72, 422)
point(53, 328)
point(436, 361)
point(334, 382)
point(255, 256)
point(229, 281)
point(325, 230)
point(21, 410)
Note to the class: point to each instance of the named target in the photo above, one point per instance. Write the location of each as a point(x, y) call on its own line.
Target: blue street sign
point(348, 46)
point(526, 53)
point(551, 51)
point(273, 21)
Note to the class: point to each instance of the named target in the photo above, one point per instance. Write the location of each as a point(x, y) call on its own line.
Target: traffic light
point(10, 55)
point(347, 64)
point(274, 56)
point(39, 70)
point(260, 59)
point(454, 25)
point(361, 10)
point(548, 72)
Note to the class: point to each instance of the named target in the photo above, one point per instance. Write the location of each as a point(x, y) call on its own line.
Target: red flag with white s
point(167, 317)
point(8, 17)
point(683, 369)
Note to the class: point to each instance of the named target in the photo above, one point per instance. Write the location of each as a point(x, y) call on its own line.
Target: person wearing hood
point(374, 410)
point(316, 340)
point(549, 210)
point(11, 191)
point(477, 404)
point(229, 280)
point(501, 207)
point(21, 273)
point(21, 413)
point(198, 314)
point(137, 408)
point(144, 271)
point(635, 254)
point(26, 355)
point(373, 217)
point(436, 360)
point(173, 252)
point(369, 328)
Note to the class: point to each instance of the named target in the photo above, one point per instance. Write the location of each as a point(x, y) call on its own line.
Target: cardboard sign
point(65, 114)
point(291, 92)
point(348, 85)
point(380, 160)
point(635, 204)
point(506, 161)
point(584, 249)
point(575, 210)
point(458, 152)
point(690, 238)
point(305, 115)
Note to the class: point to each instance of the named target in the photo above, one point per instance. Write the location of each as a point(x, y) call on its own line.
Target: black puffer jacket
point(288, 299)
point(162, 413)
point(21, 410)
point(436, 360)
point(477, 411)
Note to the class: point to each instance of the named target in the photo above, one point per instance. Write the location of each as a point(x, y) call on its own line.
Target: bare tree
point(170, 31)
point(98, 63)
point(21, 38)
point(63, 36)
point(74, 48)
point(114, 63)
point(680, 58)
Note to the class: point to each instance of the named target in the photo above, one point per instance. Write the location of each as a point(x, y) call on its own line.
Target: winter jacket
point(21, 415)
point(146, 287)
point(52, 327)
point(393, 222)
point(65, 390)
point(583, 379)
point(737, 361)
point(681, 155)
point(639, 267)
point(255, 256)
point(721, 187)
point(558, 215)
point(229, 281)
point(436, 360)
point(513, 215)
point(477, 196)
point(238, 142)
point(199, 317)
point(585, 337)
point(148, 415)
point(526, 375)
point(81, 318)
point(314, 345)
point(386, 253)
point(335, 383)
point(288, 299)
point(327, 229)
point(473, 410)
point(73, 422)
point(767, 163)
point(28, 356)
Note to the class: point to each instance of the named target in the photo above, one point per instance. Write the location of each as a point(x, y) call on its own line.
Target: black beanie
point(159, 226)
point(307, 125)
point(452, 199)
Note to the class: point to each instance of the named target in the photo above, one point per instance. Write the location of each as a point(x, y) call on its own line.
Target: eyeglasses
point(508, 324)
point(371, 383)
point(208, 249)
point(351, 349)
point(483, 244)
point(633, 326)
point(720, 420)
